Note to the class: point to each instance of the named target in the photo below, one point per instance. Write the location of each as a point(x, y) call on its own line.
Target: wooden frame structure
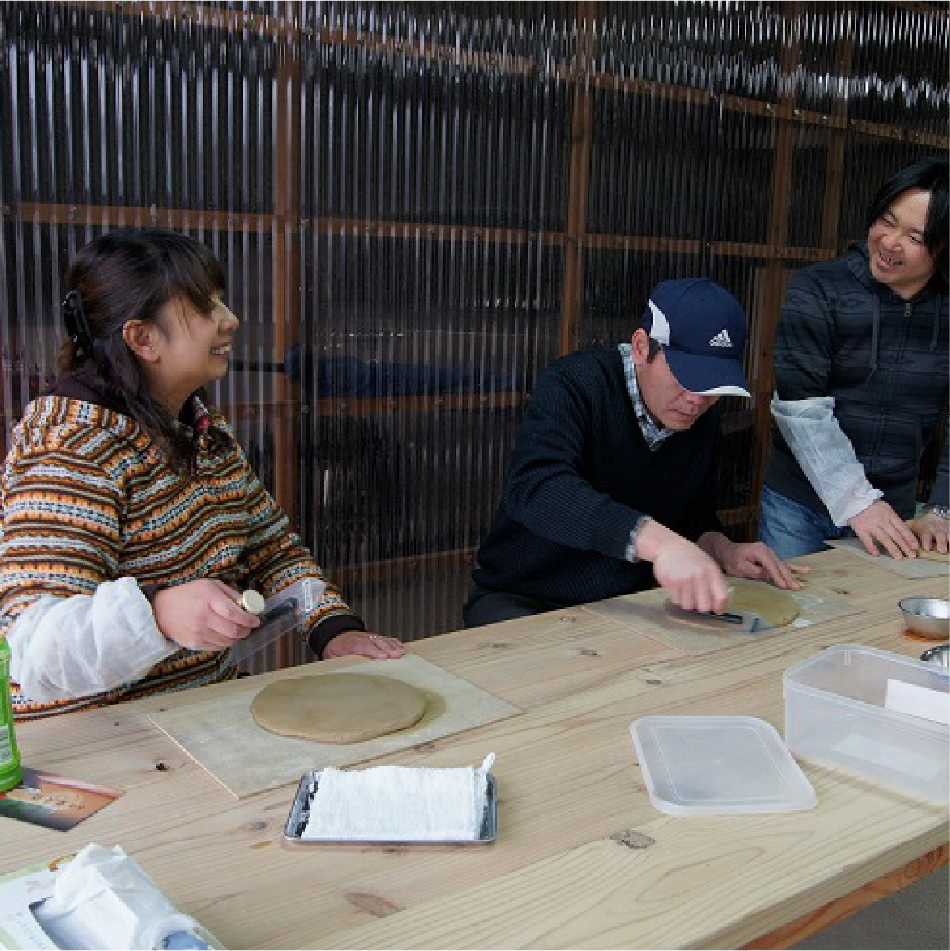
point(586, 74)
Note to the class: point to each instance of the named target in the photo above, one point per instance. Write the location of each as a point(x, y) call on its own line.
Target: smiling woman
point(131, 518)
point(183, 348)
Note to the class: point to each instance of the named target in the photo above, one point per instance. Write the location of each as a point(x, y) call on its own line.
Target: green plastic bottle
point(10, 773)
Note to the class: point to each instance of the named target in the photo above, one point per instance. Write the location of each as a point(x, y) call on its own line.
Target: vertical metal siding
point(390, 185)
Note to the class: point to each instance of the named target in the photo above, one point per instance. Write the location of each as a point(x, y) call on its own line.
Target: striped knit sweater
point(86, 497)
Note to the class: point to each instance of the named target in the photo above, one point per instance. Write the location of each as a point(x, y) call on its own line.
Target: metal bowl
point(929, 617)
point(939, 655)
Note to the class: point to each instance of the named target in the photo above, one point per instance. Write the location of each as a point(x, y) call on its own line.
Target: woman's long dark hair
point(130, 275)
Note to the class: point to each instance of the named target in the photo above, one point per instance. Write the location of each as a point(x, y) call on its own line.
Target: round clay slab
point(338, 708)
point(778, 607)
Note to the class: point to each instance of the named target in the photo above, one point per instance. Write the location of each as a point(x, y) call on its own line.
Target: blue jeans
point(791, 529)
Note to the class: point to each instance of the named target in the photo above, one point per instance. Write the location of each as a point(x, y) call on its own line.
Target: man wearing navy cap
point(611, 484)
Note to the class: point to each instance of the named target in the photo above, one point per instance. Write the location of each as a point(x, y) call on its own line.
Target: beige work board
point(648, 611)
point(222, 736)
point(923, 567)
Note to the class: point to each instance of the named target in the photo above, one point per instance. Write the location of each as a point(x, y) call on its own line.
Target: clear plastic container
point(718, 765)
point(838, 713)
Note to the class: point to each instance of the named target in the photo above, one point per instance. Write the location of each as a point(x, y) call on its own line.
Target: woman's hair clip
point(76, 325)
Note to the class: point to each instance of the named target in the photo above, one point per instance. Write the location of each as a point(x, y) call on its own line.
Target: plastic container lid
point(714, 766)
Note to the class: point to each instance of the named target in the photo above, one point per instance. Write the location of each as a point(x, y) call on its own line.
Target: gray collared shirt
point(653, 433)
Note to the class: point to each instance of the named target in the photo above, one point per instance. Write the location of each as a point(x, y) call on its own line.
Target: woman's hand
point(363, 644)
point(202, 615)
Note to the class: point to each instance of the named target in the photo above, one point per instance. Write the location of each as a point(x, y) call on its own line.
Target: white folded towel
point(399, 803)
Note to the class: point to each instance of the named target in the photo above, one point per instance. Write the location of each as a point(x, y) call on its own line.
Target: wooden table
point(582, 858)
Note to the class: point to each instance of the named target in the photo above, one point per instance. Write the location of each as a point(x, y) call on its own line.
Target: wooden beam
point(847, 905)
point(203, 14)
point(291, 407)
point(287, 223)
point(287, 220)
point(401, 567)
point(129, 216)
point(712, 249)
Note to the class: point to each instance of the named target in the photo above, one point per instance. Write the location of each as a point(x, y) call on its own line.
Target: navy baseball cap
point(701, 327)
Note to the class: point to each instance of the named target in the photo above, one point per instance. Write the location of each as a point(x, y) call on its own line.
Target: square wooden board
point(905, 567)
point(222, 736)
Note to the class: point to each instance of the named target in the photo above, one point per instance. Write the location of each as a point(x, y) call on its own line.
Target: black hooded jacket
point(886, 362)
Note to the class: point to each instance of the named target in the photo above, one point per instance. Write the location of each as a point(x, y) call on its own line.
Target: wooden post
point(285, 279)
point(834, 167)
point(572, 289)
point(774, 291)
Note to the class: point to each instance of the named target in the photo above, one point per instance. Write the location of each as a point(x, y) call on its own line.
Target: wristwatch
point(941, 511)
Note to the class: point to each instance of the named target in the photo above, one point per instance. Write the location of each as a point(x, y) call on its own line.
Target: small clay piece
point(338, 708)
point(934, 555)
point(253, 601)
point(778, 607)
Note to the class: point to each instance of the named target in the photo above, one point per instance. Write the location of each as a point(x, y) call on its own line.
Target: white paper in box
point(837, 713)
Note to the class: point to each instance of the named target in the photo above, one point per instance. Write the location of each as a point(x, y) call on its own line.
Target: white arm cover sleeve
point(826, 455)
point(85, 644)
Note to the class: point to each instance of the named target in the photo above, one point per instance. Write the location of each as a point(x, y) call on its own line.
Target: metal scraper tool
point(748, 621)
point(275, 622)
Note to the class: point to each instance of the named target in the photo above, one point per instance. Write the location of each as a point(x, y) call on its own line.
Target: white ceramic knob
point(252, 601)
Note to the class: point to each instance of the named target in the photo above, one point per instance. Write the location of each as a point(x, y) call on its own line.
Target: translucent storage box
point(718, 766)
point(847, 708)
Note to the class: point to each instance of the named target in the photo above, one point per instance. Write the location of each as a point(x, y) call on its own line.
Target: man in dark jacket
point(612, 478)
point(861, 367)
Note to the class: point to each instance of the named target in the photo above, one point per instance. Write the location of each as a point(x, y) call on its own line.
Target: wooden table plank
point(570, 794)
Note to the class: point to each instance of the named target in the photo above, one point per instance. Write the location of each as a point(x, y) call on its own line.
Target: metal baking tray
point(300, 814)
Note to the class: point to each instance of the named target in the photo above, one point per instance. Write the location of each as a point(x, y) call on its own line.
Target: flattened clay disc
point(778, 607)
point(933, 555)
point(338, 708)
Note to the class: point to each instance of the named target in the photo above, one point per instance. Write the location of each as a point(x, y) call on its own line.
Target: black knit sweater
point(581, 475)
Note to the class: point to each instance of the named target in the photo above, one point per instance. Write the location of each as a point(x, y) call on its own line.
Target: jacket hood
point(859, 264)
point(87, 385)
point(931, 296)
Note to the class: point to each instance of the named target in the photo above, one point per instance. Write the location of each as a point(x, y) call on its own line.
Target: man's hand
point(932, 531)
point(879, 523)
point(693, 579)
point(202, 615)
point(750, 560)
point(363, 644)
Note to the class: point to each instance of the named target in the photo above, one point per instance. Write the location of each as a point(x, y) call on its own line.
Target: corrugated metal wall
point(420, 205)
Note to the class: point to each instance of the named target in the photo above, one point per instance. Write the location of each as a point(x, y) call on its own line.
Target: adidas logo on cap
point(721, 339)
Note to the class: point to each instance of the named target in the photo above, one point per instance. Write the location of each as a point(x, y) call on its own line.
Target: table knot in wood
point(633, 839)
